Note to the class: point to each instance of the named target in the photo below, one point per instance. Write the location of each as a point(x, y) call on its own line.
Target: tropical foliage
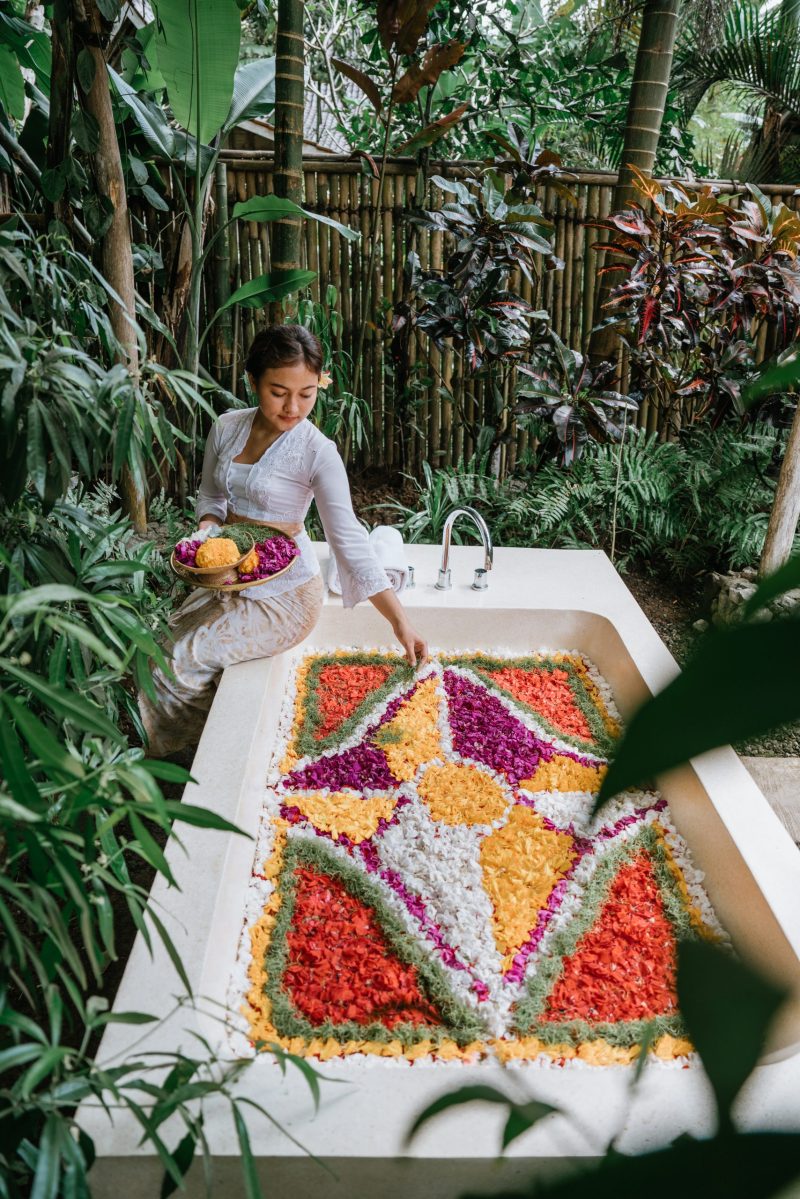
point(704, 287)
point(701, 502)
point(702, 279)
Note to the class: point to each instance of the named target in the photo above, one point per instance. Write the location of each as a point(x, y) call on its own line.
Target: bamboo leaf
point(66, 703)
point(252, 1186)
point(48, 1160)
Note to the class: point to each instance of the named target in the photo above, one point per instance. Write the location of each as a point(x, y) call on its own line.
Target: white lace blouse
point(301, 465)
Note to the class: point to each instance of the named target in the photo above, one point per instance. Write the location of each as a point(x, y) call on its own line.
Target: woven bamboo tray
point(189, 576)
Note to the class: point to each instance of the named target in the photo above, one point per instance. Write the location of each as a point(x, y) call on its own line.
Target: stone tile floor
point(779, 779)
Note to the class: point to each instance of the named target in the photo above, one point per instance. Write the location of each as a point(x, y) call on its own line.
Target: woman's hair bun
point(283, 345)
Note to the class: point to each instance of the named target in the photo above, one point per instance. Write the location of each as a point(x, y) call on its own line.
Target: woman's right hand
point(209, 523)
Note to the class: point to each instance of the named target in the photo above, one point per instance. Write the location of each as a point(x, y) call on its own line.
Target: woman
point(264, 465)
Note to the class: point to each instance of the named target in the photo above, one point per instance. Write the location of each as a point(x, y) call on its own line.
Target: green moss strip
point(601, 743)
point(550, 969)
point(460, 1022)
point(307, 744)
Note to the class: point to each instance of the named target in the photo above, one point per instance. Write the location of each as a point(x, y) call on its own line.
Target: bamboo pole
point(384, 434)
point(311, 239)
point(576, 267)
point(593, 261)
point(245, 266)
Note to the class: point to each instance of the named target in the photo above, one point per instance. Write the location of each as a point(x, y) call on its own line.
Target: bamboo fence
point(429, 428)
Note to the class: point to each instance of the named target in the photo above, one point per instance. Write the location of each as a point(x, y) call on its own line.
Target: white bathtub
point(562, 599)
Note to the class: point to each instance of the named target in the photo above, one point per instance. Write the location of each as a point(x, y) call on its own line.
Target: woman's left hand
point(416, 647)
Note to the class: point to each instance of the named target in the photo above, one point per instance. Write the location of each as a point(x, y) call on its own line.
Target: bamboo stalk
point(437, 359)
point(245, 267)
point(559, 281)
point(357, 250)
point(383, 436)
point(593, 260)
point(312, 237)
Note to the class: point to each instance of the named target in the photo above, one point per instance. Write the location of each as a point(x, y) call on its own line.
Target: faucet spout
point(445, 581)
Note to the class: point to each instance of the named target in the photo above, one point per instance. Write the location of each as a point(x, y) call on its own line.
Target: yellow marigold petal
point(667, 1047)
point(562, 773)
point(462, 794)
point(601, 1053)
point(411, 737)
point(522, 862)
point(344, 812)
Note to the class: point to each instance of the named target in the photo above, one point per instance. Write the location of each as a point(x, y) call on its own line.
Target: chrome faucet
point(479, 582)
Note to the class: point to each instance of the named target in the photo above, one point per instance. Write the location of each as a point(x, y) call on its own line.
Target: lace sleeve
point(210, 501)
point(360, 573)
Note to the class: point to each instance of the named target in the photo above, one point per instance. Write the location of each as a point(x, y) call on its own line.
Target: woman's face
point(286, 395)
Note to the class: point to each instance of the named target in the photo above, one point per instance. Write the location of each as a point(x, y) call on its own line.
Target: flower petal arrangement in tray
point(429, 883)
point(233, 557)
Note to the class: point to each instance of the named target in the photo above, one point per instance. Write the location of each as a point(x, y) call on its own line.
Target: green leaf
point(198, 52)
point(154, 198)
point(86, 131)
point(172, 952)
point(138, 169)
point(109, 9)
point(344, 231)
point(432, 133)
point(252, 1188)
point(31, 46)
point(68, 704)
point(253, 92)
point(47, 1063)
point(15, 768)
point(774, 377)
point(122, 435)
point(266, 288)
point(183, 1158)
point(48, 1160)
point(19, 1055)
point(728, 1010)
point(85, 69)
point(54, 181)
point(126, 1018)
point(201, 817)
point(148, 116)
point(728, 691)
point(265, 208)
point(48, 749)
point(98, 212)
point(150, 848)
point(12, 85)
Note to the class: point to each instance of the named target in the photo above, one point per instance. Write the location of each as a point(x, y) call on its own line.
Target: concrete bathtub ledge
point(364, 1115)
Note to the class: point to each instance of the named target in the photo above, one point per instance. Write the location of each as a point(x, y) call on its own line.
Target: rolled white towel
point(389, 548)
point(334, 583)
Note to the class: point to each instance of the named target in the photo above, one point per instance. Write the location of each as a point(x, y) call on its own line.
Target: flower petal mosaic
point(429, 883)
